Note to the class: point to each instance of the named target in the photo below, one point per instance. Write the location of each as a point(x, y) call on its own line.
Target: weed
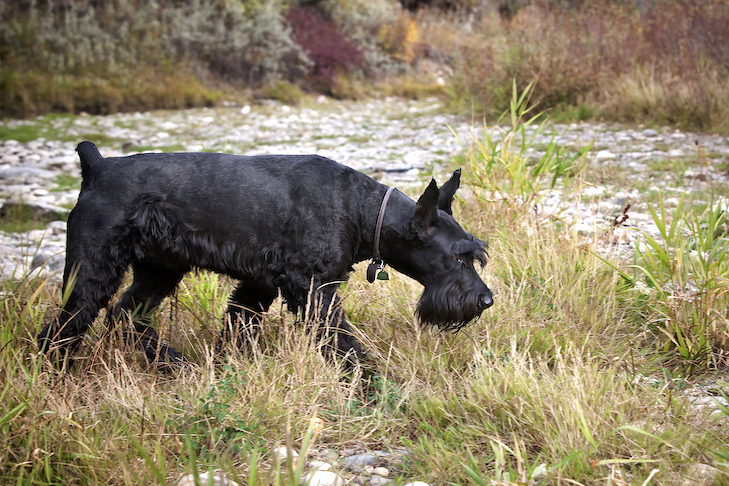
point(502, 171)
point(688, 268)
point(283, 91)
point(213, 429)
point(620, 61)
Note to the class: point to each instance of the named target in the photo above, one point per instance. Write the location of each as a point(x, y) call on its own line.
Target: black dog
point(289, 224)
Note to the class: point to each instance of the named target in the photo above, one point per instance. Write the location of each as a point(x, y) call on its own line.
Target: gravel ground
point(396, 141)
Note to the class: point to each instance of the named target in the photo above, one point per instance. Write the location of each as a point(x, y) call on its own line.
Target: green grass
point(20, 218)
point(65, 182)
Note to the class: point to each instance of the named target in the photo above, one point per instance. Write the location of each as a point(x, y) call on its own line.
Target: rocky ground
point(399, 142)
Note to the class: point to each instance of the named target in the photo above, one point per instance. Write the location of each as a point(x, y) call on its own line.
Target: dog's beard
point(449, 308)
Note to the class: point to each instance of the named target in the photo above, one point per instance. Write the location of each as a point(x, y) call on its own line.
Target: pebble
point(381, 471)
point(360, 461)
point(282, 453)
point(319, 466)
point(205, 478)
point(377, 481)
point(322, 478)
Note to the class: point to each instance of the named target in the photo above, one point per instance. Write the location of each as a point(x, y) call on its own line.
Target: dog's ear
point(447, 191)
point(426, 211)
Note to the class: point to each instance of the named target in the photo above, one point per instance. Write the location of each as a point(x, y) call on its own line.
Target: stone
point(378, 481)
point(48, 260)
point(381, 471)
point(322, 478)
point(57, 227)
point(283, 453)
point(319, 466)
point(360, 461)
point(205, 478)
point(24, 173)
point(605, 155)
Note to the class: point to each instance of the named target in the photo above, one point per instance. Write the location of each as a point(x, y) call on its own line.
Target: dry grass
point(662, 63)
point(547, 376)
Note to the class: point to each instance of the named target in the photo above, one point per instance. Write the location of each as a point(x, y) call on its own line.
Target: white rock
point(671, 201)
point(320, 466)
point(381, 471)
point(378, 481)
point(283, 453)
point(593, 191)
point(322, 478)
point(541, 470)
point(204, 478)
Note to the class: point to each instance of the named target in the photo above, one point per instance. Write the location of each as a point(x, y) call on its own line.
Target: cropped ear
point(447, 191)
point(426, 211)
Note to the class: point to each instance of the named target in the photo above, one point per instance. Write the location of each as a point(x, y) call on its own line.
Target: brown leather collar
point(377, 263)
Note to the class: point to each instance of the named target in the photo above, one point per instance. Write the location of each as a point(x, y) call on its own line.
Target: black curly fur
point(276, 223)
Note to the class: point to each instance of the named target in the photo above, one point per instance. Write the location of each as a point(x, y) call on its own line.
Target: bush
point(664, 62)
point(331, 53)
point(76, 55)
point(362, 21)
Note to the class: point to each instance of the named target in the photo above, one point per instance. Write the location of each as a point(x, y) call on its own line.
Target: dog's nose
point(485, 301)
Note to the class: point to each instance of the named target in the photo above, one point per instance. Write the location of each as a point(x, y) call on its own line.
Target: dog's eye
point(463, 259)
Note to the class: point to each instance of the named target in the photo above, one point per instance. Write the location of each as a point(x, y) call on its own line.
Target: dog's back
point(186, 204)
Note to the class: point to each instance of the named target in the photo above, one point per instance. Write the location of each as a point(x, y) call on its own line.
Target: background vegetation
point(586, 371)
point(648, 61)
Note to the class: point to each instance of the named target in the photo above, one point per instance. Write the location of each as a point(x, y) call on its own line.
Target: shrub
point(238, 46)
point(126, 54)
point(331, 53)
point(362, 21)
point(599, 53)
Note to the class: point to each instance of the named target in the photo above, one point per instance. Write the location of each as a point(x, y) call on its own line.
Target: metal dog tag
point(376, 269)
point(372, 271)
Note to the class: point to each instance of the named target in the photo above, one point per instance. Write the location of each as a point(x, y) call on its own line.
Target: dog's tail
point(89, 155)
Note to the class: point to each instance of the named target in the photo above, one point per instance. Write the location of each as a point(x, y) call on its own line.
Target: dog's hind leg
point(335, 330)
point(242, 321)
point(90, 278)
point(152, 284)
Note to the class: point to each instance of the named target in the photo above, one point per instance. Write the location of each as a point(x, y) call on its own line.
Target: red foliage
point(330, 51)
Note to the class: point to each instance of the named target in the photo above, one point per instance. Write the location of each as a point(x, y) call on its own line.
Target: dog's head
point(438, 253)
